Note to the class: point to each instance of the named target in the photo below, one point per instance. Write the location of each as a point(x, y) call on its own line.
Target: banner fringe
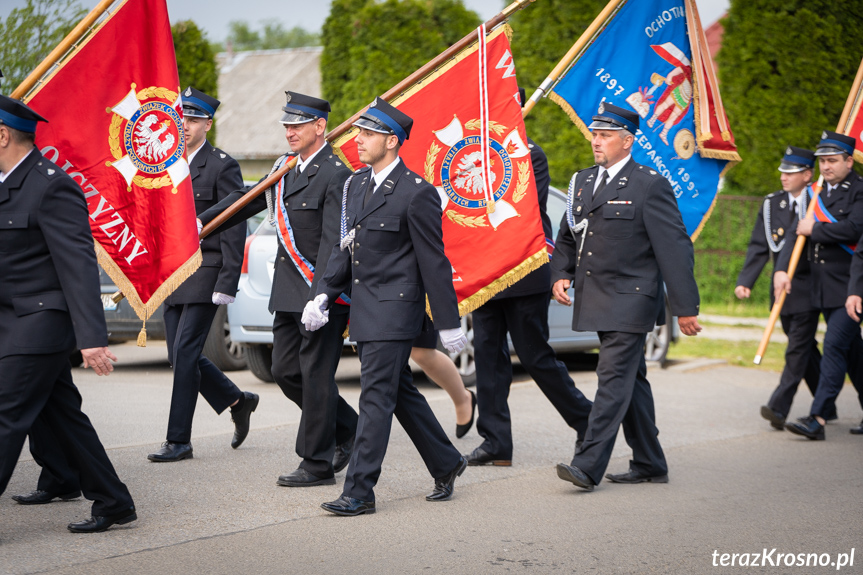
point(554, 97)
point(517, 273)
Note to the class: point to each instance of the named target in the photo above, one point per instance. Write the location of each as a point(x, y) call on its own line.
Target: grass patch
point(737, 308)
point(738, 353)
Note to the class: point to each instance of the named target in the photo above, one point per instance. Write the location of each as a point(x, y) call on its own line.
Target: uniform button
point(382, 225)
point(587, 273)
point(40, 304)
point(197, 195)
point(591, 214)
point(356, 246)
point(590, 233)
point(356, 263)
point(401, 295)
point(356, 282)
point(304, 204)
point(637, 289)
point(282, 258)
point(359, 227)
point(286, 204)
point(822, 261)
point(617, 213)
point(590, 253)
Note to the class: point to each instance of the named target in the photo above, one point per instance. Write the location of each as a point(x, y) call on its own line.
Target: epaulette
point(647, 170)
point(774, 194)
point(335, 160)
point(48, 170)
point(415, 178)
point(219, 153)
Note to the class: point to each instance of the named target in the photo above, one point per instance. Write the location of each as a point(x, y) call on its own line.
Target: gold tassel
point(142, 336)
point(490, 207)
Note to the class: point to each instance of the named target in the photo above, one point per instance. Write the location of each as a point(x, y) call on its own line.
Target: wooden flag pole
point(61, 49)
point(801, 240)
point(346, 125)
point(568, 58)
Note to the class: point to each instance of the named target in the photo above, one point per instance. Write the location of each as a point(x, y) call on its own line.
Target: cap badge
point(287, 97)
point(188, 92)
point(823, 135)
point(373, 104)
point(788, 152)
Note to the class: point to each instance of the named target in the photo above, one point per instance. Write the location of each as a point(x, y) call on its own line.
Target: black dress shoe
point(171, 451)
point(461, 430)
point(575, 476)
point(807, 427)
point(343, 454)
point(40, 497)
point(98, 523)
point(479, 456)
point(349, 507)
point(857, 430)
point(302, 478)
point(443, 486)
point(774, 417)
point(633, 477)
point(242, 417)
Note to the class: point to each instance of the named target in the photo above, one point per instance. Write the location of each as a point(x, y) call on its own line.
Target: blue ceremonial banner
point(643, 61)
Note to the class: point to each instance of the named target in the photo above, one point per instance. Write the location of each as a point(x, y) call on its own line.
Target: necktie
point(370, 190)
point(602, 181)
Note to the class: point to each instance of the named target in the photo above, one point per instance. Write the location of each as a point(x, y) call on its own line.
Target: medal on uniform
point(775, 237)
point(781, 231)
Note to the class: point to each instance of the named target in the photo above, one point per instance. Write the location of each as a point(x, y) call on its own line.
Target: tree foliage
point(272, 35)
point(785, 69)
point(30, 33)
point(370, 46)
point(196, 62)
point(543, 32)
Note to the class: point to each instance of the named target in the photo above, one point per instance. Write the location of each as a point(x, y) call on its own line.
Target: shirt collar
point(380, 177)
point(613, 170)
point(301, 164)
point(4, 175)
point(195, 153)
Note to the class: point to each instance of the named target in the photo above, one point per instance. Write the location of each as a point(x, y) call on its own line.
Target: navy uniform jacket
point(214, 175)
point(783, 223)
point(398, 257)
point(49, 279)
point(830, 263)
point(313, 199)
point(635, 237)
point(539, 280)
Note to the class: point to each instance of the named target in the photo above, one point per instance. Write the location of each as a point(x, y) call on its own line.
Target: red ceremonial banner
point(468, 139)
point(854, 126)
point(115, 126)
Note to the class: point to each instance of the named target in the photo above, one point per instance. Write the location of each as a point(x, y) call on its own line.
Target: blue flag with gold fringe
point(651, 57)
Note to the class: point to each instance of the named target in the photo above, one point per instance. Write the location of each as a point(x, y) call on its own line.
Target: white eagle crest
point(149, 144)
point(469, 175)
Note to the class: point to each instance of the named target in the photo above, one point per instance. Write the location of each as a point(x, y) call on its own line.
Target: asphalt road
point(736, 487)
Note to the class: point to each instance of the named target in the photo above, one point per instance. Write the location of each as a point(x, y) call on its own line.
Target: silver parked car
point(251, 324)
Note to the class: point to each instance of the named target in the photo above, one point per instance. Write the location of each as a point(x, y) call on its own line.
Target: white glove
point(453, 340)
point(316, 315)
point(200, 226)
point(222, 298)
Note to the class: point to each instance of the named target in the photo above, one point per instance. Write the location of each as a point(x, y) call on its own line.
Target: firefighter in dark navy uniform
point(775, 223)
point(190, 310)
point(390, 255)
point(831, 233)
point(307, 209)
point(621, 236)
point(50, 306)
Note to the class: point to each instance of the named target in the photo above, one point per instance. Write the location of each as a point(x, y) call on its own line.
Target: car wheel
point(658, 341)
point(465, 360)
point(225, 354)
point(259, 358)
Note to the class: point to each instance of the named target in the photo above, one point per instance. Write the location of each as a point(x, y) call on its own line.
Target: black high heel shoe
point(461, 430)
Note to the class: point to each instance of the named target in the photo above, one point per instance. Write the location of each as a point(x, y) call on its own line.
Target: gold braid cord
point(476, 300)
point(114, 137)
point(466, 221)
point(493, 126)
point(431, 159)
point(523, 181)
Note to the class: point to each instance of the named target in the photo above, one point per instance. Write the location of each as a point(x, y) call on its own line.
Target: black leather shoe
point(479, 456)
point(633, 477)
point(40, 497)
point(443, 486)
point(303, 478)
point(774, 417)
point(807, 427)
point(97, 523)
point(575, 476)
point(343, 454)
point(854, 430)
point(349, 507)
point(171, 451)
point(461, 430)
point(242, 417)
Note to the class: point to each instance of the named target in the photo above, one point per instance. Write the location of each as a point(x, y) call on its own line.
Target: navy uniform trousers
point(186, 330)
point(843, 353)
point(37, 391)
point(387, 390)
point(525, 317)
point(802, 360)
point(623, 396)
point(313, 357)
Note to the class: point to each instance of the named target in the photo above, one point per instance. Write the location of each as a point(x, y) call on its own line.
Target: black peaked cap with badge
point(384, 118)
point(197, 104)
point(613, 117)
point(834, 143)
point(18, 115)
point(797, 160)
point(300, 109)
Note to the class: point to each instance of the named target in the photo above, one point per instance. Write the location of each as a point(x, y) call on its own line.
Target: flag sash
point(822, 214)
